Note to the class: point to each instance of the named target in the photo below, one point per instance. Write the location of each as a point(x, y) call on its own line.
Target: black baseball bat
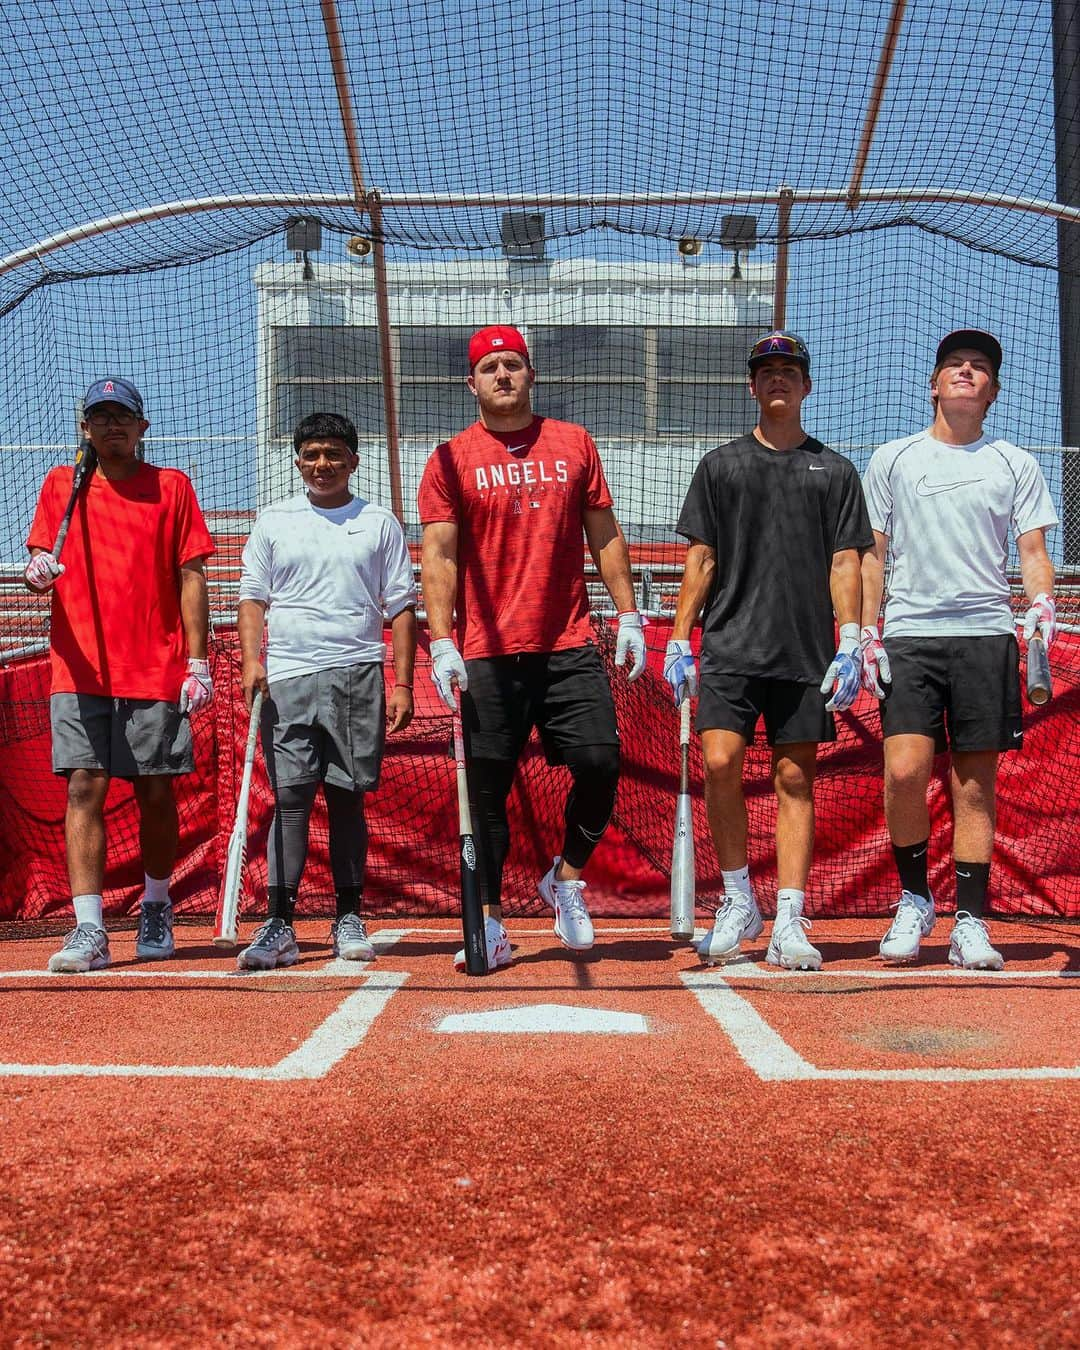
point(472, 912)
point(85, 462)
point(1040, 687)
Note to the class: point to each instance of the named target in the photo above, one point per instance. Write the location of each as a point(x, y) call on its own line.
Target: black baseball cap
point(779, 343)
point(975, 340)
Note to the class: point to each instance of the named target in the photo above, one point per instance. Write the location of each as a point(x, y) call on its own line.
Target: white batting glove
point(1042, 616)
point(197, 691)
point(630, 644)
point(41, 572)
point(680, 669)
point(876, 671)
point(844, 672)
point(448, 670)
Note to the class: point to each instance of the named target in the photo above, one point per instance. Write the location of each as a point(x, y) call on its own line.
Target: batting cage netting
point(258, 210)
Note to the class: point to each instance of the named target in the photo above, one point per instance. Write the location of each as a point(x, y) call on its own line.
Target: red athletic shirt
point(518, 500)
point(116, 626)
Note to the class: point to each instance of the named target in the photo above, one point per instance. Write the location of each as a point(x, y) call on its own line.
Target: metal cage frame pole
point(369, 203)
point(783, 228)
point(873, 104)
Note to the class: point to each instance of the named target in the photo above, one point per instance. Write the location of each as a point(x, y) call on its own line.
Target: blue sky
point(110, 107)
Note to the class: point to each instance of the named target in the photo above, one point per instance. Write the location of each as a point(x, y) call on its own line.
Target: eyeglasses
point(780, 344)
point(101, 417)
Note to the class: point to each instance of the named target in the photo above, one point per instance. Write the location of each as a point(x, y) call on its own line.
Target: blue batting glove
point(680, 669)
point(845, 672)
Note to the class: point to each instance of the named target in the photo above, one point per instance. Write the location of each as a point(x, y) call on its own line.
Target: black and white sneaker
point(154, 941)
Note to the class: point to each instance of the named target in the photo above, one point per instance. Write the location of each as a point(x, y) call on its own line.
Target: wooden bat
point(85, 462)
point(1040, 687)
point(682, 850)
point(229, 897)
point(472, 912)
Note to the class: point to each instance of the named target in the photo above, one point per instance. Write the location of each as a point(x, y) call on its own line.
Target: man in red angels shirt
point(128, 645)
point(504, 506)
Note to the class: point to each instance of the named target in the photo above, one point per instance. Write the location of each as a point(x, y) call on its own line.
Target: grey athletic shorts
point(329, 726)
point(127, 737)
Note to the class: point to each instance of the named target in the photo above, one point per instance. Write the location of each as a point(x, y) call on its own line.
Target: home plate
point(546, 1018)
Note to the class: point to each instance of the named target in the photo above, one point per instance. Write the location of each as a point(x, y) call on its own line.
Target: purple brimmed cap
point(779, 344)
point(113, 390)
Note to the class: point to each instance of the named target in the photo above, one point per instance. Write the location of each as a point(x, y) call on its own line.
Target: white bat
point(682, 850)
point(229, 899)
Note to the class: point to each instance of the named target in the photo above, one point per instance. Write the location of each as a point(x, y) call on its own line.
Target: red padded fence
point(412, 817)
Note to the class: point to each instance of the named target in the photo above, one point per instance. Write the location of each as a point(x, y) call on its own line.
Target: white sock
point(88, 910)
point(789, 902)
point(156, 889)
point(738, 883)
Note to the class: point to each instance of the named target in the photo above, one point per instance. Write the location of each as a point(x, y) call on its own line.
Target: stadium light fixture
point(738, 233)
point(302, 237)
point(523, 235)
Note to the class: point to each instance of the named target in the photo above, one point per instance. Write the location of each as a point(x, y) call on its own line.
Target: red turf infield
point(439, 1187)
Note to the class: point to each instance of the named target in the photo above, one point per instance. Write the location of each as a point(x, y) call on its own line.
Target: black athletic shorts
point(564, 694)
point(794, 712)
point(964, 692)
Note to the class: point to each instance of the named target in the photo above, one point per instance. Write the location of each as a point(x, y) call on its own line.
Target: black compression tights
point(595, 773)
point(288, 846)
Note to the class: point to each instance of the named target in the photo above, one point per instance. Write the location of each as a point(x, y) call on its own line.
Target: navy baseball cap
point(113, 390)
point(779, 344)
point(974, 339)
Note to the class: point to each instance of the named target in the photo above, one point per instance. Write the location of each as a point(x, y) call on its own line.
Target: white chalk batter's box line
point(764, 1050)
point(757, 1043)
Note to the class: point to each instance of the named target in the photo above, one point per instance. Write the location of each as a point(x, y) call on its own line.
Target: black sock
point(972, 884)
point(348, 901)
point(282, 903)
point(911, 864)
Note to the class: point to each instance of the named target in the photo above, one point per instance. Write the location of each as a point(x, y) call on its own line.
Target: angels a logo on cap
point(108, 387)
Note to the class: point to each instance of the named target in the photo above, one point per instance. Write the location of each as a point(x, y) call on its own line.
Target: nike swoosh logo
point(1017, 735)
point(513, 449)
point(925, 489)
point(919, 854)
point(817, 468)
point(962, 874)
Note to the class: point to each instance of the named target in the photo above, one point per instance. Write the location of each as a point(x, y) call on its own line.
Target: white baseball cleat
point(788, 946)
point(738, 918)
point(573, 927)
point(915, 919)
point(498, 947)
point(970, 946)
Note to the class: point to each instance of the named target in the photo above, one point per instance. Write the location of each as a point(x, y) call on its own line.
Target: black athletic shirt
point(775, 519)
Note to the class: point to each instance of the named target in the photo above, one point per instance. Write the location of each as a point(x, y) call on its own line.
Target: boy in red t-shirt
point(505, 507)
point(128, 644)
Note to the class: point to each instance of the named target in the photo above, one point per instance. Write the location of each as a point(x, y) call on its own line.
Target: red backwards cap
point(498, 338)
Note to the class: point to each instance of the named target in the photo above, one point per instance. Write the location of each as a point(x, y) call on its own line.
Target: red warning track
point(400, 1175)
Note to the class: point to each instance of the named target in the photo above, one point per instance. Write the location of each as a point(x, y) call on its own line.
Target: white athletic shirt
point(947, 510)
point(329, 578)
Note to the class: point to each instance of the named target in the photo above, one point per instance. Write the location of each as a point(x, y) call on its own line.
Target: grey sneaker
point(85, 948)
point(350, 938)
point(154, 941)
point(274, 944)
